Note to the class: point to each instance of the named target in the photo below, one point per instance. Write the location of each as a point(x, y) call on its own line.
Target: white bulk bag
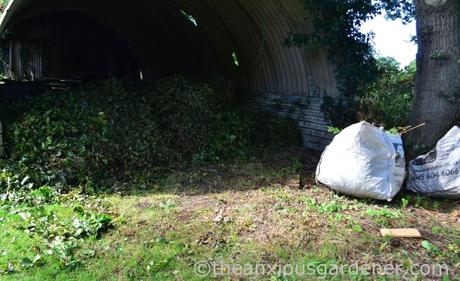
point(438, 172)
point(364, 161)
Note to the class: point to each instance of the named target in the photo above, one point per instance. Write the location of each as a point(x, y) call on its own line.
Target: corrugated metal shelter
point(241, 39)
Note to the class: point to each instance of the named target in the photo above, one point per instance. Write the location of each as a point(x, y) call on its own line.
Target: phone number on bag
point(437, 175)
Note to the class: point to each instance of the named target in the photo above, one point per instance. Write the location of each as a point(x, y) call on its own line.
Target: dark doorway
point(72, 46)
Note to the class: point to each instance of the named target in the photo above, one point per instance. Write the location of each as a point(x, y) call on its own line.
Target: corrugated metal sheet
point(253, 29)
point(25, 61)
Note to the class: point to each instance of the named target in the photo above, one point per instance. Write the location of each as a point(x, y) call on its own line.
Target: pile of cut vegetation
point(111, 132)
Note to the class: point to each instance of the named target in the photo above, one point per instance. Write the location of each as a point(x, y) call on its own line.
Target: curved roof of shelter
point(252, 29)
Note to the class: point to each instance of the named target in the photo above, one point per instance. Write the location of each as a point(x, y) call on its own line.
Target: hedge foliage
point(110, 131)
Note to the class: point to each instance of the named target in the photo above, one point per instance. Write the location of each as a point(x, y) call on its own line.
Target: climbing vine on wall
point(337, 26)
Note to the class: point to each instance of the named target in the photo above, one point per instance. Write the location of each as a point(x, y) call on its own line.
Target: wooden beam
point(401, 233)
point(2, 150)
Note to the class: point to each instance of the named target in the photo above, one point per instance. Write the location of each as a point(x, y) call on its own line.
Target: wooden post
point(2, 150)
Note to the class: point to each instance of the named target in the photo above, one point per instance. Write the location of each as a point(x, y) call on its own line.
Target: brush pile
point(112, 132)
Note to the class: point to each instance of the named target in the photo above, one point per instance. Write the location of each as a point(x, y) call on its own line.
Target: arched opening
point(74, 45)
point(241, 39)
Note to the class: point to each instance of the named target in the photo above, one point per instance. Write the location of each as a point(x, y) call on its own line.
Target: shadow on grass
point(286, 167)
point(270, 168)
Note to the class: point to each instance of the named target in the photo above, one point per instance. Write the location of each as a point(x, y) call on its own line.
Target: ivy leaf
point(429, 247)
point(26, 262)
point(89, 253)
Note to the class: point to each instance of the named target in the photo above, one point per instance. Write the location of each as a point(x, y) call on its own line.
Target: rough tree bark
point(437, 89)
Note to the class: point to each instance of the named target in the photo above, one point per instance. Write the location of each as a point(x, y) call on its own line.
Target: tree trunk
point(437, 89)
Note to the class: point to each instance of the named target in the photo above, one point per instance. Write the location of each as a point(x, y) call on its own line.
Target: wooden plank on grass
point(401, 233)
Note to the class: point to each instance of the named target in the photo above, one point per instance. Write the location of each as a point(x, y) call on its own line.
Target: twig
point(410, 129)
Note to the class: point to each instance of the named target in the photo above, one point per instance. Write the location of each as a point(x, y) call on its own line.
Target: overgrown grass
point(254, 213)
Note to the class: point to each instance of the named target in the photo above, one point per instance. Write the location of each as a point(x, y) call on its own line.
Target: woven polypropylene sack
point(364, 161)
point(437, 173)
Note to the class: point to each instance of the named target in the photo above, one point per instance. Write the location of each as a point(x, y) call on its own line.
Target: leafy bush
point(389, 100)
point(112, 131)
